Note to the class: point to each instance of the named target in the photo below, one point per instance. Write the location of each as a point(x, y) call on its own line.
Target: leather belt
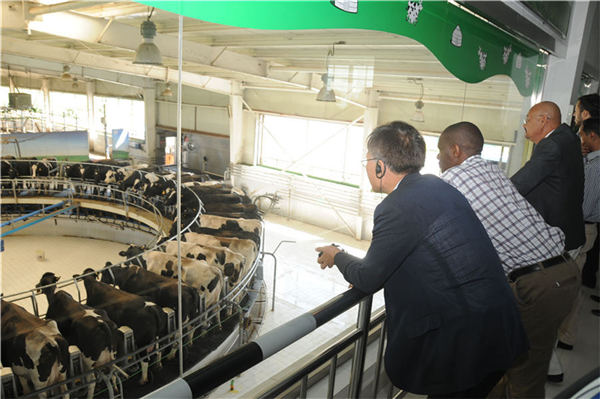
point(545, 264)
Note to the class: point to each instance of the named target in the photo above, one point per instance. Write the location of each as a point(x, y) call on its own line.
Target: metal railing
point(203, 381)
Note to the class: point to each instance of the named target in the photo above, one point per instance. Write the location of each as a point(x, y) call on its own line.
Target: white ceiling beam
point(120, 35)
point(55, 69)
point(40, 52)
point(66, 6)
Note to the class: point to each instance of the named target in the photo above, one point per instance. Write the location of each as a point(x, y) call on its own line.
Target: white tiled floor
point(64, 256)
point(301, 286)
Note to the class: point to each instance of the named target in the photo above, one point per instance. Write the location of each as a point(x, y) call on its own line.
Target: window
point(68, 111)
point(497, 153)
point(326, 150)
point(121, 113)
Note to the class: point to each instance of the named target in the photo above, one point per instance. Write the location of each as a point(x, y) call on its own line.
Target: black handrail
point(223, 369)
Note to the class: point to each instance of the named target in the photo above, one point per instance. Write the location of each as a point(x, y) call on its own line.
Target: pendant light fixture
point(326, 93)
point(147, 52)
point(418, 116)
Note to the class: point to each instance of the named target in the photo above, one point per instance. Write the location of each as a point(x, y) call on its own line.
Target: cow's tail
point(102, 332)
point(160, 319)
point(54, 358)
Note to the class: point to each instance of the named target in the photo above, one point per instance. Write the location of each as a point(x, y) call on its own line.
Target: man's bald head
point(457, 143)
point(542, 118)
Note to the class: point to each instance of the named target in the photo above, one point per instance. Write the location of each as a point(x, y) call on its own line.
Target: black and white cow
point(34, 348)
point(146, 319)
point(229, 231)
point(91, 330)
point(231, 263)
point(207, 279)
point(44, 168)
point(7, 168)
point(161, 290)
point(158, 289)
point(246, 248)
point(233, 224)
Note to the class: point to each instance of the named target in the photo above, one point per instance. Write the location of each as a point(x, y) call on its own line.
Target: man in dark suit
point(452, 322)
point(552, 180)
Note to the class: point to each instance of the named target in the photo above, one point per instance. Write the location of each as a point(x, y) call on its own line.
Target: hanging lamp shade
point(167, 92)
point(147, 52)
point(418, 116)
point(326, 93)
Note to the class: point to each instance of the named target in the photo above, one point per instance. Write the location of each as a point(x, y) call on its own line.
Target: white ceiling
point(97, 37)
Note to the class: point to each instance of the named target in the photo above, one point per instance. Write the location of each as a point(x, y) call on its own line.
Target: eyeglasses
point(365, 161)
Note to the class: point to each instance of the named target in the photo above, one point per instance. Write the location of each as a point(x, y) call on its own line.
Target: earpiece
point(379, 172)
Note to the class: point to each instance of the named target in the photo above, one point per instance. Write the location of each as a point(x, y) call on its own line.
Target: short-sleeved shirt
point(519, 233)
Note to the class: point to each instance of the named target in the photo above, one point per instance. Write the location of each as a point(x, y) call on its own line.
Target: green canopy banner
point(470, 48)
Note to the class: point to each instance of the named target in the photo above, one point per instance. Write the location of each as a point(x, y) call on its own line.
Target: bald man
point(552, 180)
point(530, 250)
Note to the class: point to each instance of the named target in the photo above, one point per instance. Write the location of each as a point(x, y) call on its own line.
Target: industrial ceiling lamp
point(418, 116)
point(326, 93)
point(66, 72)
point(167, 92)
point(147, 52)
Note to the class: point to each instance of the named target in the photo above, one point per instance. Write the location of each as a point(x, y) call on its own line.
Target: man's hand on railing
point(327, 255)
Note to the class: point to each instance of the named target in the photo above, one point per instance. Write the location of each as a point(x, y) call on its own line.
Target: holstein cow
point(224, 223)
point(147, 320)
point(246, 248)
point(231, 263)
point(34, 348)
point(158, 289)
point(207, 279)
point(230, 231)
point(89, 329)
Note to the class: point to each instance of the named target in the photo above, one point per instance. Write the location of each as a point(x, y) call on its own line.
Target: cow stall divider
point(26, 192)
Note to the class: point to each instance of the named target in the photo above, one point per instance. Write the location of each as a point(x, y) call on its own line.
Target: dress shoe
point(564, 346)
point(596, 312)
point(595, 298)
point(555, 377)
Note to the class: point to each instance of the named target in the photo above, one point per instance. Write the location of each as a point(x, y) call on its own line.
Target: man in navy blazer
point(452, 322)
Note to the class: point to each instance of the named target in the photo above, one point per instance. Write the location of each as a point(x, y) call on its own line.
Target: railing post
point(360, 348)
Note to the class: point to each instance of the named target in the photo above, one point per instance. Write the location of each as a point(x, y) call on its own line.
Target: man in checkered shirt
point(542, 276)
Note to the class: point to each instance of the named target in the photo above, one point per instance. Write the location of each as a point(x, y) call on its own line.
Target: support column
point(236, 123)
point(90, 88)
point(563, 74)
point(150, 123)
point(46, 92)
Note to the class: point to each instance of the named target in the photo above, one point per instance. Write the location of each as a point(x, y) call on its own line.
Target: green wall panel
point(478, 52)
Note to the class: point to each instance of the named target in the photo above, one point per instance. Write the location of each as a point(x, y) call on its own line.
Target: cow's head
point(88, 274)
point(50, 279)
point(110, 274)
point(132, 252)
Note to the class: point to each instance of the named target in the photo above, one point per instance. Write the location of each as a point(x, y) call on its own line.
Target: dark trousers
point(481, 390)
point(590, 268)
